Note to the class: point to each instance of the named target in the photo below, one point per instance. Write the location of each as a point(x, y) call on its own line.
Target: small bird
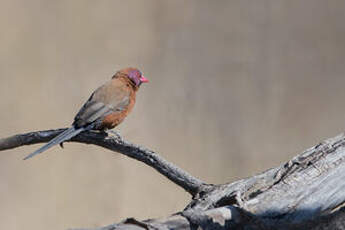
point(106, 108)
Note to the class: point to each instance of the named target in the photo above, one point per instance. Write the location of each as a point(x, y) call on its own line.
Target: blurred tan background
point(236, 87)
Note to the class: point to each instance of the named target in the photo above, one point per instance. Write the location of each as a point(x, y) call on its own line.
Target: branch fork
point(303, 193)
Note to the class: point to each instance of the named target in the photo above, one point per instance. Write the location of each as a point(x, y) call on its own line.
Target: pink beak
point(143, 79)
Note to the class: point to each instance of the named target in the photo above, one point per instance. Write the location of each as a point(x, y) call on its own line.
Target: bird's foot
point(116, 134)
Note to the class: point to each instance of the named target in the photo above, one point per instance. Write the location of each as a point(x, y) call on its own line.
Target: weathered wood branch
point(306, 192)
point(180, 177)
point(225, 218)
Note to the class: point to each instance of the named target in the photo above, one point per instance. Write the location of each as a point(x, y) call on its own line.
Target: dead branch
point(189, 183)
point(303, 193)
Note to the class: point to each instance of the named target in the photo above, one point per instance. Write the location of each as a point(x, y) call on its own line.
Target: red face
point(136, 76)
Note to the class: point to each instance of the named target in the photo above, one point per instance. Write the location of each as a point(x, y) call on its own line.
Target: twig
point(189, 183)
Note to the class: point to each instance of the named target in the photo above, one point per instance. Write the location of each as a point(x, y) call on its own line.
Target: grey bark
point(115, 143)
point(306, 192)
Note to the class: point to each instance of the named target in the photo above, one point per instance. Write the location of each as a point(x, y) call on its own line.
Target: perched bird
point(105, 109)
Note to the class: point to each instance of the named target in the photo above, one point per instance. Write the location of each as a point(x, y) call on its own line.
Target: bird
point(105, 109)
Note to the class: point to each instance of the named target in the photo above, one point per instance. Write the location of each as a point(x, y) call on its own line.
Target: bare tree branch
point(307, 192)
point(189, 183)
point(225, 218)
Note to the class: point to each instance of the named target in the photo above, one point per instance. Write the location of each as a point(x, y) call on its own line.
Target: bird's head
point(133, 74)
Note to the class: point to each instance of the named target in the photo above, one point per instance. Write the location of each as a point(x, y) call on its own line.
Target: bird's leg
point(103, 132)
point(61, 145)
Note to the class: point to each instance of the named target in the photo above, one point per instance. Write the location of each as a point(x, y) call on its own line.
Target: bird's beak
point(143, 79)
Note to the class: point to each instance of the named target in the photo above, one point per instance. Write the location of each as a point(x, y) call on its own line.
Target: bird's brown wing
point(112, 97)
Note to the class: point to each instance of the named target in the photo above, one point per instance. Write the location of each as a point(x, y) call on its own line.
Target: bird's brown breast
point(115, 118)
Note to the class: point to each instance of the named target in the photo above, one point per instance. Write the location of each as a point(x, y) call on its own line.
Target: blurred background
point(236, 87)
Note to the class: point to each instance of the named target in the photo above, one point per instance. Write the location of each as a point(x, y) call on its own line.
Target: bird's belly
point(112, 120)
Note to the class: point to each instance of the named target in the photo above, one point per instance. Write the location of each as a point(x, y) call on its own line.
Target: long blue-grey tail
point(68, 134)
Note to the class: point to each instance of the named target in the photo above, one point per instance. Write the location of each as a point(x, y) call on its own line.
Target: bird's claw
point(117, 134)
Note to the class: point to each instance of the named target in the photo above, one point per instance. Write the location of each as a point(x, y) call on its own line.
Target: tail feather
point(66, 135)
